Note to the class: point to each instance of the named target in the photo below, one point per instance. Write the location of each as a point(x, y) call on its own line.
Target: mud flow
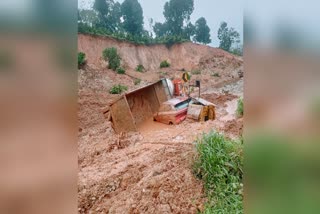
point(148, 171)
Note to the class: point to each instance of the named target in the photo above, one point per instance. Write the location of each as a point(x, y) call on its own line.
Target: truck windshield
point(182, 105)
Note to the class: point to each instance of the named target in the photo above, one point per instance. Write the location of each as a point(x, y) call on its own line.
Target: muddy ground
point(149, 171)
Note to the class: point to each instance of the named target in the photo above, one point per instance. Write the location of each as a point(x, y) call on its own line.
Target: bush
point(111, 55)
point(81, 59)
point(118, 89)
point(195, 72)
point(219, 164)
point(121, 71)
point(140, 68)
point(137, 81)
point(240, 107)
point(216, 74)
point(164, 64)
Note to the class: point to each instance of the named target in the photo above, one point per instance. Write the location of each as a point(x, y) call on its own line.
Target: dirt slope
point(187, 55)
point(149, 171)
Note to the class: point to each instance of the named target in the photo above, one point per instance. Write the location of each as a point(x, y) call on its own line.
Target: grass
point(118, 89)
point(219, 164)
point(121, 71)
point(196, 72)
point(240, 108)
point(140, 68)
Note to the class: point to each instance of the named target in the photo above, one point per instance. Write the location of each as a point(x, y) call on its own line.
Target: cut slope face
point(185, 55)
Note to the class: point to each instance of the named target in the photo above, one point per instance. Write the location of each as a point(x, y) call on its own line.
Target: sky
point(214, 11)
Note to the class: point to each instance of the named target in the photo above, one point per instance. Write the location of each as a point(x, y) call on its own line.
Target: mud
point(149, 171)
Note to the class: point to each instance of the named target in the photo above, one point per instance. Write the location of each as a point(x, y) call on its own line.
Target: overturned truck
point(133, 108)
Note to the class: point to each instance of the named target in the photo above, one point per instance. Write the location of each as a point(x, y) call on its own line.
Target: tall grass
point(219, 164)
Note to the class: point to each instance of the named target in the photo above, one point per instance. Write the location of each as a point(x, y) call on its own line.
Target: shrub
point(121, 71)
point(111, 55)
point(219, 164)
point(240, 107)
point(137, 81)
point(140, 68)
point(81, 59)
point(195, 72)
point(164, 64)
point(216, 74)
point(118, 89)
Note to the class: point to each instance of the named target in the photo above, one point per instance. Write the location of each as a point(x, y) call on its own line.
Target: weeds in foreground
point(219, 164)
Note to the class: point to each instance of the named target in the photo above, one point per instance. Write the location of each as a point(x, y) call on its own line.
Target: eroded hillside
point(149, 171)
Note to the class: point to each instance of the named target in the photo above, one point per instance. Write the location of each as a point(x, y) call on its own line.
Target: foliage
point(109, 14)
point(240, 107)
point(176, 13)
point(164, 64)
point(88, 17)
point(196, 72)
point(140, 68)
point(216, 74)
point(227, 36)
point(237, 51)
point(81, 59)
point(132, 17)
point(219, 164)
point(121, 71)
point(118, 89)
point(137, 81)
point(113, 58)
point(202, 31)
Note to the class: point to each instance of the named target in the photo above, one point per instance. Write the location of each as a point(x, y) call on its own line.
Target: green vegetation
point(118, 89)
point(227, 36)
point(137, 81)
point(216, 74)
point(240, 107)
point(132, 17)
point(219, 164)
point(81, 59)
point(164, 64)
point(202, 31)
point(121, 71)
point(196, 72)
point(140, 68)
point(111, 55)
point(125, 22)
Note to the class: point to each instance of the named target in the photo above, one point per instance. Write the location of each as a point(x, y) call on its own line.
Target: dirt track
point(149, 171)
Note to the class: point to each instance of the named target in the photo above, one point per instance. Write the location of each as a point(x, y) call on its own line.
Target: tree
point(189, 31)
point(88, 17)
point(108, 14)
point(176, 13)
point(132, 17)
point(227, 36)
point(202, 31)
point(160, 29)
